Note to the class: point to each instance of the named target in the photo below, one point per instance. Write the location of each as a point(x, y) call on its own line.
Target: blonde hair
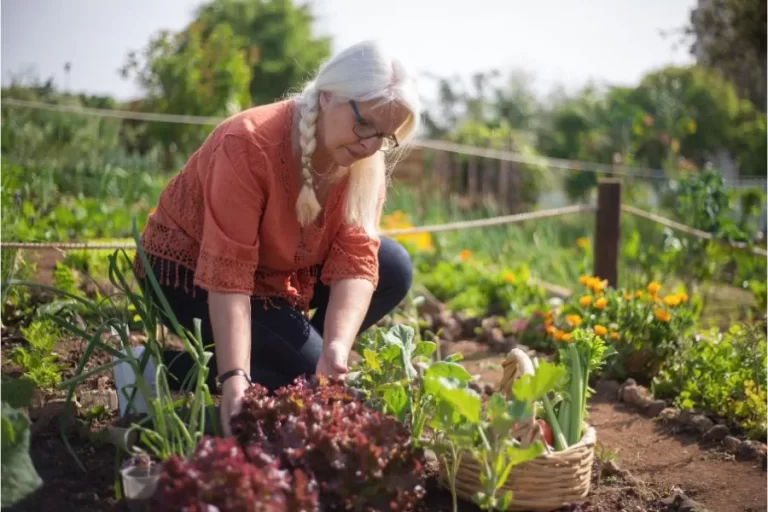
point(362, 72)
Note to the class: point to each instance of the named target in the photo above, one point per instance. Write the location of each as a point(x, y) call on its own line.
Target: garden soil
point(660, 461)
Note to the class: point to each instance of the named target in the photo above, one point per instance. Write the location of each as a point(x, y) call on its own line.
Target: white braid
point(307, 205)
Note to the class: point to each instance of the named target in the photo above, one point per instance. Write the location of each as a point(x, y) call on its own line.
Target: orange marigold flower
point(683, 297)
point(465, 254)
point(597, 285)
point(614, 335)
point(627, 296)
point(601, 303)
point(509, 277)
point(600, 330)
point(662, 315)
point(585, 280)
point(672, 300)
point(573, 320)
point(566, 337)
point(585, 301)
point(653, 288)
point(639, 294)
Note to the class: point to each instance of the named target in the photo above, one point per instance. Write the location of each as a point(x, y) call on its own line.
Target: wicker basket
point(551, 481)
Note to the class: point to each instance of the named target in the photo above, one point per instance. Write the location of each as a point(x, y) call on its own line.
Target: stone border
point(640, 398)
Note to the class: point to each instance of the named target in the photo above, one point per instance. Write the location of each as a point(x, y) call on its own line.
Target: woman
point(276, 214)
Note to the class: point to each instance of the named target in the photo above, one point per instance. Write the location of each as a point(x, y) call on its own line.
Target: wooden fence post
point(608, 230)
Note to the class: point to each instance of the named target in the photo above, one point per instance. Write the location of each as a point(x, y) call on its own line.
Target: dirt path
point(652, 452)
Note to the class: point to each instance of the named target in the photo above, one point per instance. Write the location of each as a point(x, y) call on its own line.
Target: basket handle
point(515, 365)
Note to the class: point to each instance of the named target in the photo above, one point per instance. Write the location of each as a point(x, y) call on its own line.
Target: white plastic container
point(125, 376)
point(140, 484)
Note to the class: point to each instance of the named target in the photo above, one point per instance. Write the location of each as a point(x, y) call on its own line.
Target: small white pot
point(140, 484)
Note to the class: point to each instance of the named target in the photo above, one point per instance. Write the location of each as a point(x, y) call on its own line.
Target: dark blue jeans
point(285, 343)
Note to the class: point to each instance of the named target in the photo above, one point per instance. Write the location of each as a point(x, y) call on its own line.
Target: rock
point(668, 414)
point(686, 417)
point(430, 306)
point(655, 407)
point(627, 383)
point(451, 330)
point(679, 502)
point(92, 398)
point(732, 444)
point(716, 433)
point(608, 387)
point(751, 450)
point(635, 395)
point(702, 423)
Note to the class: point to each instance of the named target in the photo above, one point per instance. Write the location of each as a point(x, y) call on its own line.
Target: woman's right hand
point(232, 393)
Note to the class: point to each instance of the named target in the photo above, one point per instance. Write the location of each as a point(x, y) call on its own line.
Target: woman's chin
point(344, 158)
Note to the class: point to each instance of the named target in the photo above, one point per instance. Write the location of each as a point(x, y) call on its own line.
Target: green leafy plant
point(37, 360)
point(723, 373)
point(20, 478)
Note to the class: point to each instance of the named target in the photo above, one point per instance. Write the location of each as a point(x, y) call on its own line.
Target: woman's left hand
point(333, 360)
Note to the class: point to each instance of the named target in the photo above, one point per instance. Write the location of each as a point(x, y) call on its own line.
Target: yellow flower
point(662, 315)
point(583, 242)
point(683, 297)
point(465, 254)
point(627, 296)
point(600, 330)
point(509, 277)
point(672, 300)
point(584, 280)
point(639, 295)
point(675, 145)
point(551, 330)
point(558, 335)
point(653, 288)
point(566, 337)
point(614, 335)
point(597, 285)
point(573, 320)
point(585, 301)
point(601, 303)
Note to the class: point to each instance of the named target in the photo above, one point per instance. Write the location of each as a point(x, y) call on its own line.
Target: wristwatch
point(220, 379)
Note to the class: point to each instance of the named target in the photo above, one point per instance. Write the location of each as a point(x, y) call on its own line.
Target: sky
point(558, 42)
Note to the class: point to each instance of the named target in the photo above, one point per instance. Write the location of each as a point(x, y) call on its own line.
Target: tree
point(187, 73)
point(730, 35)
point(277, 36)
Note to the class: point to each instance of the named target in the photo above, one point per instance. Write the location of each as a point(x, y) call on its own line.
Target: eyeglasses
point(365, 130)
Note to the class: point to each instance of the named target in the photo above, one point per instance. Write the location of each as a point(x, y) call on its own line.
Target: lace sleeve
point(353, 255)
point(229, 249)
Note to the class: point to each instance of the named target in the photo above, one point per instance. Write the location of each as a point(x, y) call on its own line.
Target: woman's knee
point(395, 268)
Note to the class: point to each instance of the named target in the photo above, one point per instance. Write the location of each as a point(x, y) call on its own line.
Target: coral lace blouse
point(227, 221)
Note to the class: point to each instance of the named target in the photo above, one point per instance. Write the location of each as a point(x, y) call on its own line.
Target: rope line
point(689, 230)
point(436, 228)
point(508, 156)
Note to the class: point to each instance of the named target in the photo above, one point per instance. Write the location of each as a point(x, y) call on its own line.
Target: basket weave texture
point(549, 482)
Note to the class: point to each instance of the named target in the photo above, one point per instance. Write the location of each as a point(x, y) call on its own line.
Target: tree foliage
point(730, 35)
point(277, 35)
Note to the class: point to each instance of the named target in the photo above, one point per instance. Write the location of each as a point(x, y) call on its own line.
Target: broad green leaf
point(533, 387)
point(20, 478)
point(371, 359)
point(464, 400)
point(448, 370)
point(453, 358)
point(396, 398)
point(390, 353)
point(401, 335)
point(424, 349)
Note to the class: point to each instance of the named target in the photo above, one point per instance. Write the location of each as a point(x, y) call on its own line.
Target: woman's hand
point(232, 393)
point(333, 360)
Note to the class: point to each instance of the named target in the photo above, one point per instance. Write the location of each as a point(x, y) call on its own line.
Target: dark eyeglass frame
point(388, 141)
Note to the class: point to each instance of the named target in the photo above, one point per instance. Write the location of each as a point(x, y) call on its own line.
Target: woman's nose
point(371, 145)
